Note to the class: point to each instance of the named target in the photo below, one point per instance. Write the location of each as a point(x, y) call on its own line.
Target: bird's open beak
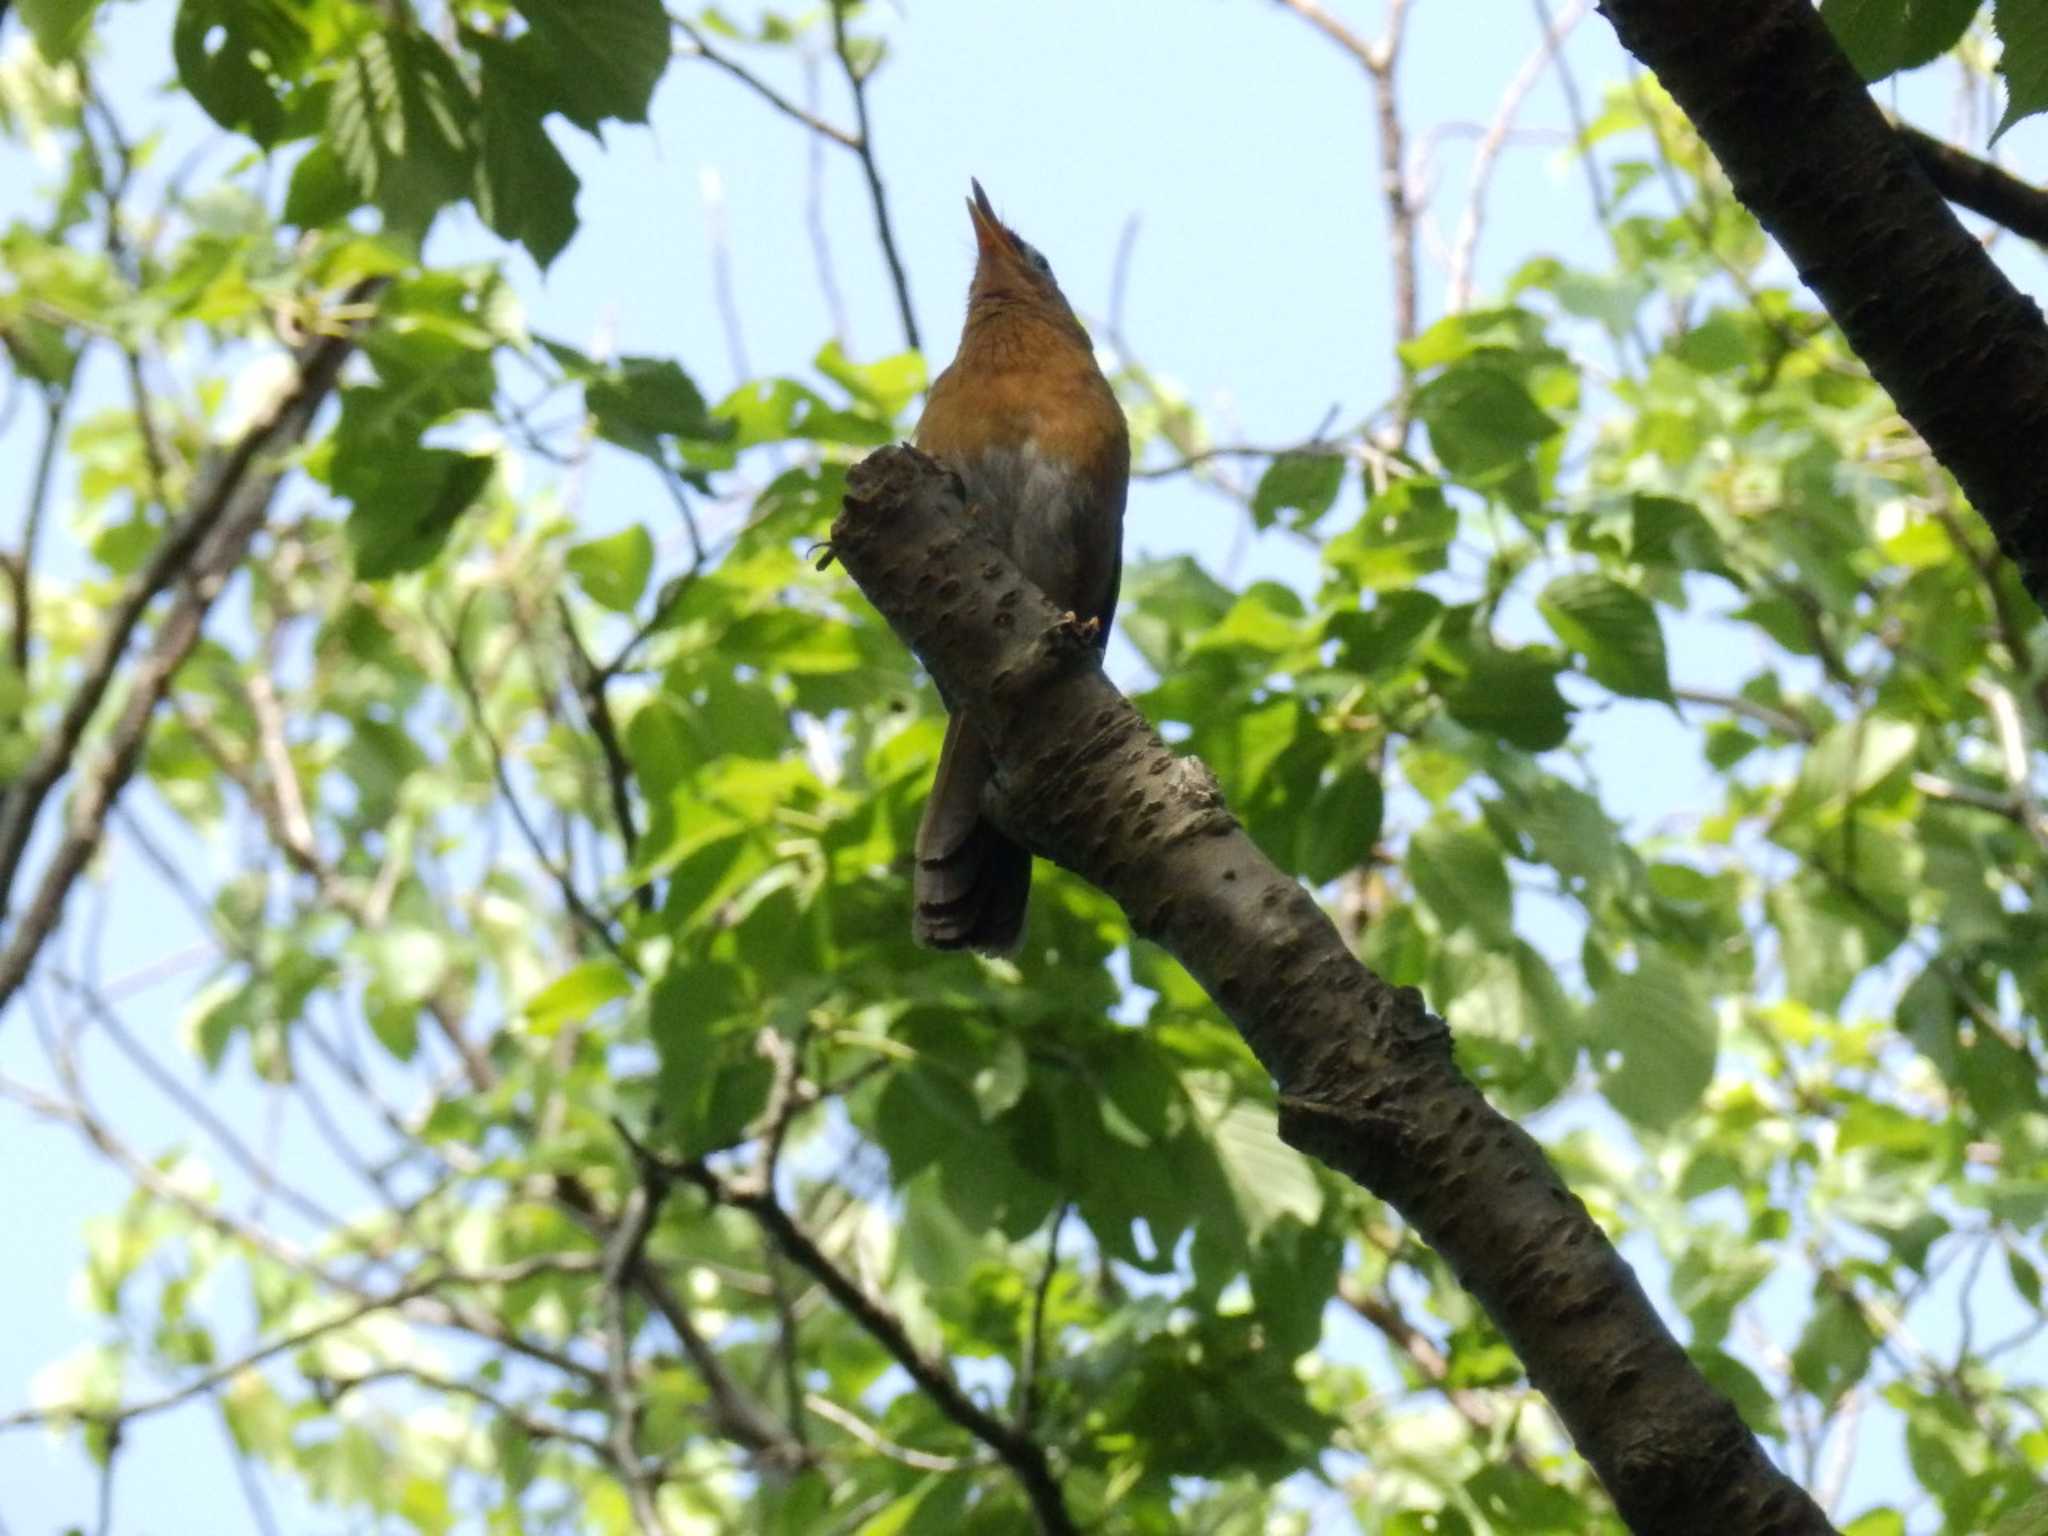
point(989, 234)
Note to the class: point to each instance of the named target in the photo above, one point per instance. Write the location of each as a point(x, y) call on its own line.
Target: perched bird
point(1030, 425)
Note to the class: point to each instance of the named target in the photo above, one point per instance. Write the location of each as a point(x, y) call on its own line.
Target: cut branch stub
point(1365, 1073)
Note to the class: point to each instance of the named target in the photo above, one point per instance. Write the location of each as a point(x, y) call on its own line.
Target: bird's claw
point(1086, 629)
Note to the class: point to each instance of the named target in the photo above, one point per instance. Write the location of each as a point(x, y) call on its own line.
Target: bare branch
point(622, 1257)
point(220, 1375)
point(593, 924)
point(1024, 1456)
point(763, 89)
point(1465, 244)
point(1033, 1361)
point(22, 567)
point(864, 147)
point(597, 712)
point(1980, 186)
point(874, 1440)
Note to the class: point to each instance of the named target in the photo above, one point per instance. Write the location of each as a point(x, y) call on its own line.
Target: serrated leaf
point(887, 385)
point(1381, 639)
point(1616, 630)
point(610, 54)
point(2022, 27)
point(525, 189)
point(1882, 37)
point(399, 119)
point(638, 402)
point(321, 190)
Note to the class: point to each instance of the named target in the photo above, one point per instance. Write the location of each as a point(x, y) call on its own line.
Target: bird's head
point(1009, 272)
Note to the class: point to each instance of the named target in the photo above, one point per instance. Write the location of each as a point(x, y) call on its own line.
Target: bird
point(1026, 420)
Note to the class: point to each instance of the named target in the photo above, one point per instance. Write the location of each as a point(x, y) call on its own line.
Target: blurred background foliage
point(522, 832)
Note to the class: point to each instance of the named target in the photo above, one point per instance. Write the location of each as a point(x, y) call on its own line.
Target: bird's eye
point(1032, 255)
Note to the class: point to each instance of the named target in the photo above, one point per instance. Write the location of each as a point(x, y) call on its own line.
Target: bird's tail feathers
point(972, 882)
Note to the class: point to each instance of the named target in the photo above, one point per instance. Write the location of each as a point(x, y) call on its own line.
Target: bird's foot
point(1083, 629)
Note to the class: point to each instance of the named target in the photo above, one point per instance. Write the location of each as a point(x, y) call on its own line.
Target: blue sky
point(1240, 142)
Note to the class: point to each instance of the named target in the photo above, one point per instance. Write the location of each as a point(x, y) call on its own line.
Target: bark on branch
point(1962, 352)
point(1366, 1076)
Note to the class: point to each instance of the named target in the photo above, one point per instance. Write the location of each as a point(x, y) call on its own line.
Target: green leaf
point(1303, 483)
point(1665, 1038)
point(614, 570)
point(1401, 537)
point(2022, 27)
point(1481, 421)
point(1341, 825)
point(638, 402)
point(1667, 532)
point(1834, 1351)
point(59, 26)
point(400, 118)
point(1848, 762)
point(1380, 640)
point(609, 52)
point(1268, 1179)
point(1513, 695)
point(238, 58)
point(1616, 630)
point(321, 191)
point(577, 994)
point(405, 508)
point(1882, 37)
point(888, 386)
point(1458, 871)
point(524, 189)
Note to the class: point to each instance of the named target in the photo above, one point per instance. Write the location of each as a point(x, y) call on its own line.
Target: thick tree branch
point(1962, 352)
point(1366, 1076)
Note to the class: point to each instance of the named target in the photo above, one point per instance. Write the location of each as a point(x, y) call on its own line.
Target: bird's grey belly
point(1034, 506)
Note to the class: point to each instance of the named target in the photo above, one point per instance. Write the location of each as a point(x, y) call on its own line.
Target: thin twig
point(1465, 244)
point(597, 712)
point(578, 908)
point(814, 211)
point(1033, 1362)
point(220, 1375)
point(23, 566)
point(1575, 109)
point(622, 1257)
point(711, 188)
point(864, 147)
point(1024, 1456)
point(764, 90)
point(257, 1169)
point(874, 1440)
